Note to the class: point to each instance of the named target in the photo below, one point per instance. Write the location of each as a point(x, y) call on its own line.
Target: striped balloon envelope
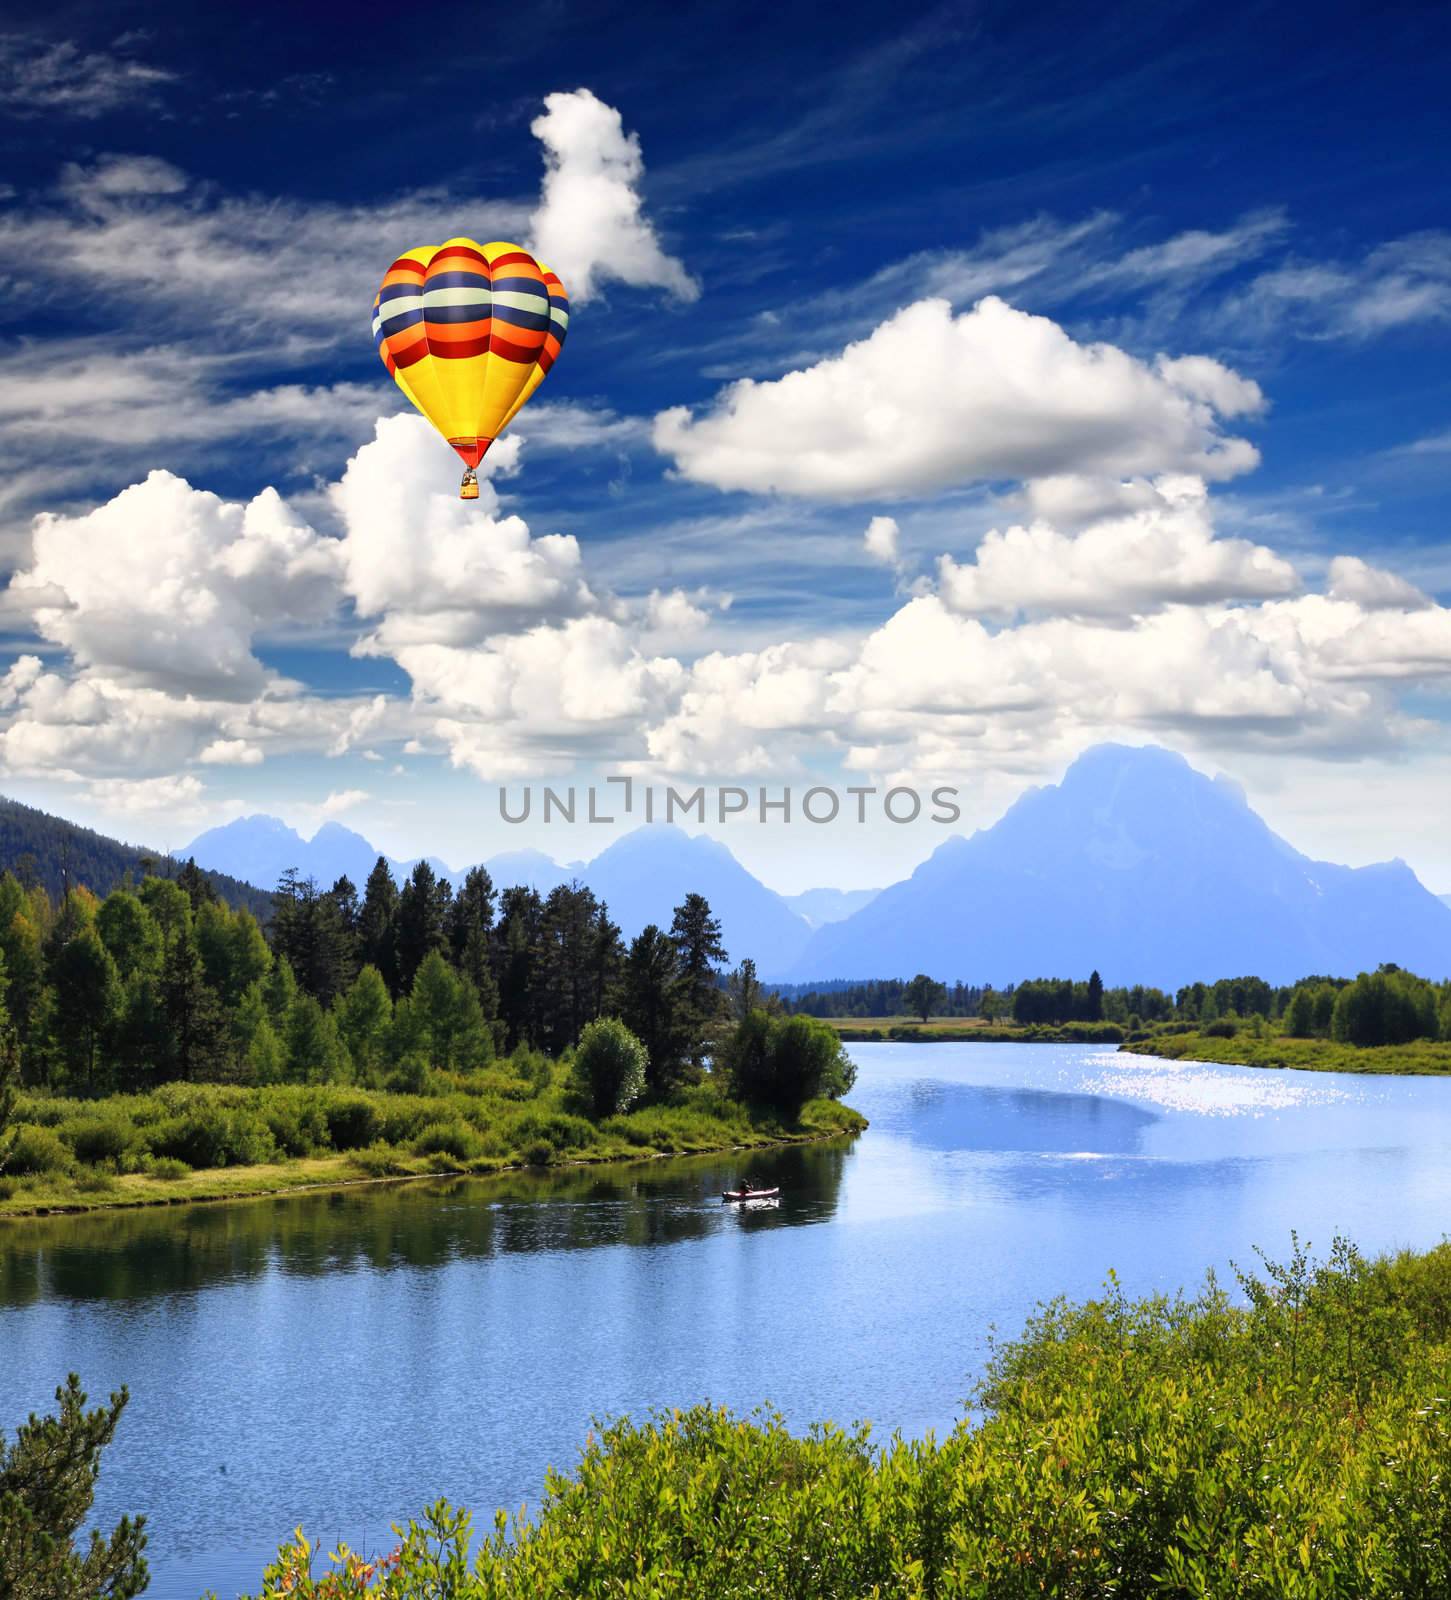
point(469, 332)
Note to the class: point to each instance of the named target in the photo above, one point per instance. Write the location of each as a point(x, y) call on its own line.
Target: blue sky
point(1125, 331)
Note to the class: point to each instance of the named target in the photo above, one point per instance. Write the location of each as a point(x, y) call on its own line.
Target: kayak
point(749, 1194)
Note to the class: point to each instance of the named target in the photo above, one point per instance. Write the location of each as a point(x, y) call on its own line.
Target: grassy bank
point(978, 1030)
point(207, 1142)
point(1291, 1442)
point(1314, 1055)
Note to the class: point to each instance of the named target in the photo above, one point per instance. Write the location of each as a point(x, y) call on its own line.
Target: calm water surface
point(342, 1360)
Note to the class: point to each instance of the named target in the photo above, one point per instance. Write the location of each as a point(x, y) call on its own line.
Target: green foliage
point(35, 1150)
point(47, 1482)
point(1385, 1007)
point(609, 1067)
point(1291, 1447)
point(783, 1062)
point(924, 995)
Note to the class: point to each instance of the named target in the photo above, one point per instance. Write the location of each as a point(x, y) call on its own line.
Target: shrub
point(783, 1062)
point(352, 1122)
point(36, 1150)
point(1220, 1028)
point(166, 1167)
point(214, 1137)
point(97, 1139)
point(539, 1153)
point(454, 1139)
point(298, 1127)
point(609, 1067)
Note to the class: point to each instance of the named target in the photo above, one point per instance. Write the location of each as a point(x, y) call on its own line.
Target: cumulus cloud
point(166, 585)
point(1164, 554)
point(230, 753)
point(590, 226)
point(881, 541)
point(427, 567)
point(1373, 588)
point(931, 400)
point(341, 800)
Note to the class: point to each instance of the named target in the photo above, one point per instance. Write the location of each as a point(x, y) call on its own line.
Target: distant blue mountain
point(270, 848)
point(820, 906)
point(644, 876)
point(1147, 870)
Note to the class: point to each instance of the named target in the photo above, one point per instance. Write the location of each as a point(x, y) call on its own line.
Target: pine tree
point(651, 1005)
point(377, 932)
point(196, 1024)
point(697, 938)
point(422, 923)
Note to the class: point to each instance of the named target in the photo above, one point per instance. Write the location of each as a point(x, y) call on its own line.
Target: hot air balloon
point(469, 331)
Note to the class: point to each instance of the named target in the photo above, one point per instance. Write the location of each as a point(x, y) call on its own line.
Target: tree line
point(162, 981)
point(1388, 1006)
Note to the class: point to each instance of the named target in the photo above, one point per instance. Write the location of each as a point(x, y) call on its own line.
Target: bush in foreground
point(609, 1067)
point(1294, 1447)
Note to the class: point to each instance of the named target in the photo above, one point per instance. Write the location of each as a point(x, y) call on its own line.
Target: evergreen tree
point(47, 1485)
point(87, 1000)
point(196, 886)
point(651, 1007)
point(566, 979)
point(422, 922)
point(364, 1014)
point(447, 1024)
point(514, 950)
point(196, 1026)
point(314, 1052)
point(377, 933)
point(1095, 997)
point(697, 938)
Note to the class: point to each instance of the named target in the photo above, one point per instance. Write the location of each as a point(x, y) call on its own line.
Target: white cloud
point(430, 568)
point(1396, 285)
point(931, 400)
point(341, 800)
point(1165, 554)
point(173, 797)
point(230, 753)
point(589, 227)
point(1372, 588)
point(881, 541)
point(166, 585)
point(43, 78)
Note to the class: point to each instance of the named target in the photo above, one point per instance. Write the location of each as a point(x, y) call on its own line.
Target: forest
point(158, 1032)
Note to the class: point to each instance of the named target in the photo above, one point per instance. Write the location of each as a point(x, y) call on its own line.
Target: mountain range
point(1135, 864)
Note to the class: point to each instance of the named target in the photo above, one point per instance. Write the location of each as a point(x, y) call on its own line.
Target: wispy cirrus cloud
point(41, 77)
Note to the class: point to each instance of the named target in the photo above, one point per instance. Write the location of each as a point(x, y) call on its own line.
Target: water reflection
point(144, 1253)
point(952, 1116)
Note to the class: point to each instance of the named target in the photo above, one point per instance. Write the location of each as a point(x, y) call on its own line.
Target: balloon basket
point(469, 488)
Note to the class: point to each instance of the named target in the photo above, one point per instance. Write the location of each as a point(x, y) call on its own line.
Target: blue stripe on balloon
point(404, 319)
point(476, 311)
point(520, 319)
point(457, 280)
point(393, 290)
point(519, 286)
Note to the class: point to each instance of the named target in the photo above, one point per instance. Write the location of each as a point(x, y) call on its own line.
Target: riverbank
point(1424, 1057)
point(970, 1030)
point(386, 1138)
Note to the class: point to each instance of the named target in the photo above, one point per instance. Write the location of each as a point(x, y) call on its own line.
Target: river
point(340, 1360)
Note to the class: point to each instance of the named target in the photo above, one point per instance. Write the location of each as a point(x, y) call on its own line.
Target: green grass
point(1290, 1444)
point(1313, 1055)
point(202, 1142)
